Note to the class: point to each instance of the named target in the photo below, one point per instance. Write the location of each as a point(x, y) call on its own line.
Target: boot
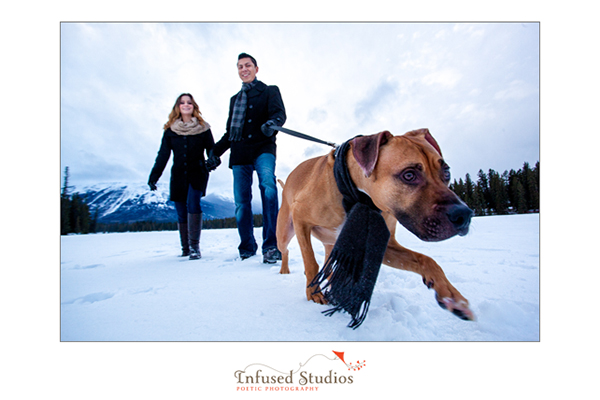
point(183, 238)
point(195, 227)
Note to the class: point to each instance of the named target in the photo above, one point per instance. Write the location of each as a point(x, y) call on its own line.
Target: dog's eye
point(445, 170)
point(409, 176)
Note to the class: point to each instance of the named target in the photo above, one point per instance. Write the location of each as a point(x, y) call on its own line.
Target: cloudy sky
point(475, 86)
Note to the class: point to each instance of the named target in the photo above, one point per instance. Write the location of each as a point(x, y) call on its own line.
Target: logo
point(323, 371)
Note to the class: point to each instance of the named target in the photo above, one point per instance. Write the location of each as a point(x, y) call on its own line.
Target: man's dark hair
point(246, 55)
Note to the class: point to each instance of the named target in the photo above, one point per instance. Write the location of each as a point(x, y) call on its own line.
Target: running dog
point(407, 179)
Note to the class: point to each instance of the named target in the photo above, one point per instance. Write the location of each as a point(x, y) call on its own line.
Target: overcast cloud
point(475, 86)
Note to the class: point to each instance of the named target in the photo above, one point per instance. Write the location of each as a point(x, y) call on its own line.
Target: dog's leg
point(285, 233)
point(311, 268)
point(283, 247)
point(328, 249)
point(446, 295)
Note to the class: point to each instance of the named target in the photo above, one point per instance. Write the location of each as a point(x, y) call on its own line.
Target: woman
point(188, 136)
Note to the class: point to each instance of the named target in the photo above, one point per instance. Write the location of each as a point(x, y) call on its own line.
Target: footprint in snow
point(91, 298)
point(88, 266)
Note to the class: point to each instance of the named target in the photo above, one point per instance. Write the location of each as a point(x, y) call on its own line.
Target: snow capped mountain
point(120, 202)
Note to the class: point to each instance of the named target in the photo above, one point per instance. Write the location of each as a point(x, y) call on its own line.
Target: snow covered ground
point(134, 287)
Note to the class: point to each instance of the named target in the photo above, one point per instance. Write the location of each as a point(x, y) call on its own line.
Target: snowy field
point(134, 287)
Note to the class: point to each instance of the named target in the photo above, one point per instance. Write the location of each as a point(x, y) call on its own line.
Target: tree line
point(512, 192)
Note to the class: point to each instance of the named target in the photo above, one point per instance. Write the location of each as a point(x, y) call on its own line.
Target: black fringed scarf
point(353, 265)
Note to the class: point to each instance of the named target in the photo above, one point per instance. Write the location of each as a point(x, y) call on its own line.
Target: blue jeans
point(264, 166)
point(191, 206)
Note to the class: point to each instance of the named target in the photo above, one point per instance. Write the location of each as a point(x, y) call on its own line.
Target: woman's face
point(186, 107)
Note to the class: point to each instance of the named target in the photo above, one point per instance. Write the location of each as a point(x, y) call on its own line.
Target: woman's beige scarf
point(192, 127)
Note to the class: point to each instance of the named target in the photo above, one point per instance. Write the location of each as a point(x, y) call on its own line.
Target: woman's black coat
point(188, 162)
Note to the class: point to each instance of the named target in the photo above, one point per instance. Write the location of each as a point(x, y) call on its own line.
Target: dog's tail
point(281, 183)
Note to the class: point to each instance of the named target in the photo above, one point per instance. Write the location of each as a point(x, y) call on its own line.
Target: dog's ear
point(366, 150)
point(427, 136)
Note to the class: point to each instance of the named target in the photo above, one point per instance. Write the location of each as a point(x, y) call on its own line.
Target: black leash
point(302, 136)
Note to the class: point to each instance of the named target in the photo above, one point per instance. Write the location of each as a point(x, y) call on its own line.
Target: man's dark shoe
point(245, 256)
point(271, 256)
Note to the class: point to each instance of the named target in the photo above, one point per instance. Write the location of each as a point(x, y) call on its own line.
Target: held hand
point(266, 128)
point(152, 186)
point(213, 162)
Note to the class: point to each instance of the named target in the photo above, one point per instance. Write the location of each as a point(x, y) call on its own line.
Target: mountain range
point(121, 202)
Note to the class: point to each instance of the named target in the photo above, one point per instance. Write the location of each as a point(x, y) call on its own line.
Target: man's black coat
point(264, 103)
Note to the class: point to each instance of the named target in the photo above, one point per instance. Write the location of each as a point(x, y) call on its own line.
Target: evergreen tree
point(528, 182)
point(452, 186)
point(79, 215)
point(74, 212)
point(483, 191)
point(469, 191)
point(65, 204)
point(536, 174)
point(498, 194)
point(533, 184)
point(520, 202)
point(478, 205)
point(461, 187)
point(458, 188)
point(94, 221)
point(512, 189)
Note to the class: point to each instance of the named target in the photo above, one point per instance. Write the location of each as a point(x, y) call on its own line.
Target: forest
point(512, 192)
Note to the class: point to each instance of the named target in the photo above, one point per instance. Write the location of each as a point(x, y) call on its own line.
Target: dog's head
point(408, 177)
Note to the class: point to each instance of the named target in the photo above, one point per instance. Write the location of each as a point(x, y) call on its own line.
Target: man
point(252, 142)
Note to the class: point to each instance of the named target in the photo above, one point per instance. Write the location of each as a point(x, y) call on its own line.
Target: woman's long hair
point(176, 114)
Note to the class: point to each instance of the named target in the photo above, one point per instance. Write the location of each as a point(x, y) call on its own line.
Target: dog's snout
point(460, 216)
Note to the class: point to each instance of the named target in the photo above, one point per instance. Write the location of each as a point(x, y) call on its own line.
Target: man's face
point(247, 70)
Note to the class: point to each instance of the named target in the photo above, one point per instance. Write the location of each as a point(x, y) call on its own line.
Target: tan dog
point(406, 178)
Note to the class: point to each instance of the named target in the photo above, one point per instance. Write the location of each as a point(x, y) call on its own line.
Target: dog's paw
point(449, 298)
point(317, 297)
point(284, 269)
point(428, 283)
point(459, 308)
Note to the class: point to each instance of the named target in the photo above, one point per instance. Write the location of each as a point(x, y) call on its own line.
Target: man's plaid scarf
point(239, 112)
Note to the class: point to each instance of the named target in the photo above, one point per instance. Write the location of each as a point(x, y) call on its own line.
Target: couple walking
point(251, 141)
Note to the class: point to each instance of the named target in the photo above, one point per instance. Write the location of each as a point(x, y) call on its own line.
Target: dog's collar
point(345, 184)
